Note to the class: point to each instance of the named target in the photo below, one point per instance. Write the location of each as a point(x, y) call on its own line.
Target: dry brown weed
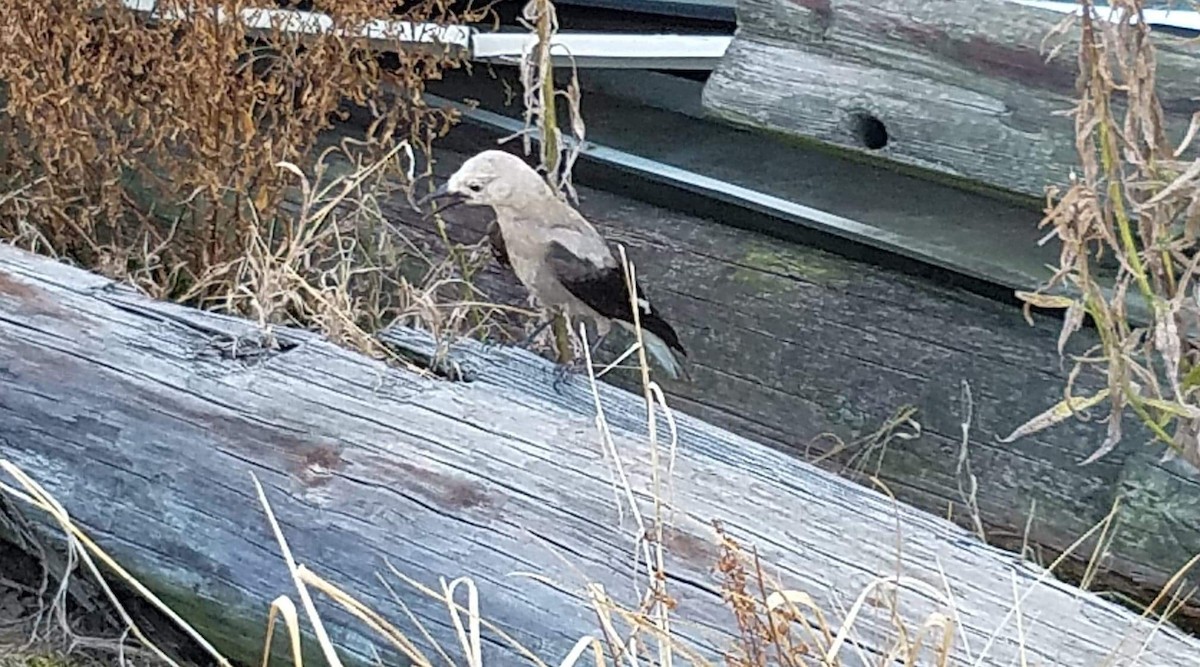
point(181, 156)
point(1137, 198)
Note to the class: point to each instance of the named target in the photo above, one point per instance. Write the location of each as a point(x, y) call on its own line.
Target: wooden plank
point(126, 411)
point(957, 87)
point(791, 343)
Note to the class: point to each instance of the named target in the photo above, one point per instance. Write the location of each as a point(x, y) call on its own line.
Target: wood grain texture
point(788, 344)
point(128, 411)
point(960, 85)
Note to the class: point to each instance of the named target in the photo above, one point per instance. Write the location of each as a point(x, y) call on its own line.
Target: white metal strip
point(1173, 18)
point(584, 49)
point(315, 23)
point(587, 49)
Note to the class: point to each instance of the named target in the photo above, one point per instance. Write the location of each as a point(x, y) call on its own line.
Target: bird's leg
point(602, 329)
point(563, 372)
point(524, 344)
point(597, 344)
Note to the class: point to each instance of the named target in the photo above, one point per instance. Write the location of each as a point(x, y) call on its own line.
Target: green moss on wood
point(1159, 519)
point(229, 627)
point(238, 633)
point(763, 263)
point(20, 659)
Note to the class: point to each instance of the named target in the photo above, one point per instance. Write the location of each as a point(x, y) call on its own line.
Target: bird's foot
point(527, 342)
point(524, 344)
point(563, 373)
point(492, 347)
point(489, 348)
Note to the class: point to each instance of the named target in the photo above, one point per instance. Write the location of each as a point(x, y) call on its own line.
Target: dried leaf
point(1045, 300)
point(248, 127)
point(1166, 341)
point(146, 115)
point(1175, 409)
point(1072, 320)
point(1057, 413)
point(262, 199)
point(1040, 300)
point(1193, 127)
point(1187, 442)
point(1110, 440)
point(1185, 179)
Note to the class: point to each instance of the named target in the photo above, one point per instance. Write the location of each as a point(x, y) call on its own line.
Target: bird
point(556, 254)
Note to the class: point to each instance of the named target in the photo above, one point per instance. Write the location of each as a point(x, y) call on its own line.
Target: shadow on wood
point(130, 412)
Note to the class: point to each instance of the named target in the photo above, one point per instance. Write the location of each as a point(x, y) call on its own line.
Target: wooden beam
point(813, 354)
point(136, 417)
point(957, 87)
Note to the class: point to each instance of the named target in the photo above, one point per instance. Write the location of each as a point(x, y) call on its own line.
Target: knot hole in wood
point(868, 130)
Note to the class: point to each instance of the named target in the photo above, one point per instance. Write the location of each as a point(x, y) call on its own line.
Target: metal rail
point(579, 49)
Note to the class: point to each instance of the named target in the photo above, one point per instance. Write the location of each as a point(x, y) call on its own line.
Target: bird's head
point(491, 178)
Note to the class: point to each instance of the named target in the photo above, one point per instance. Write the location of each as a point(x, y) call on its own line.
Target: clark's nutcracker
point(556, 253)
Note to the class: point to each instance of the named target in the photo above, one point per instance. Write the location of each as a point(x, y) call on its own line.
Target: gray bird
point(555, 252)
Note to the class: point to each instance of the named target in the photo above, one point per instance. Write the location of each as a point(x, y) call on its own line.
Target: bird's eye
point(475, 187)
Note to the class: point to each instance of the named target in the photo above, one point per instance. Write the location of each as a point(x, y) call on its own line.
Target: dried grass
point(1137, 200)
point(181, 156)
point(556, 157)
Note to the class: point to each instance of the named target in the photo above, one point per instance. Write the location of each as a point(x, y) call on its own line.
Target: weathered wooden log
point(790, 345)
point(135, 415)
point(959, 87)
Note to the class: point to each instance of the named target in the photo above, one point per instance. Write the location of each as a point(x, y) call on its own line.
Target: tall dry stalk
point(1137, 198)
point(541, 110)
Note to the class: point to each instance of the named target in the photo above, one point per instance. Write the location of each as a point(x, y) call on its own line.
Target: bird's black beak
point(443, 197)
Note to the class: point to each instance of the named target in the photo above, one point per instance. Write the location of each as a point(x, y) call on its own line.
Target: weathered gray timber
point(788, 344)
point(956, 86)
point(133, 414)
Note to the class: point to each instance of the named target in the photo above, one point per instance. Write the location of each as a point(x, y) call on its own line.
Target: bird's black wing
point(603, 289)
point(499, 248)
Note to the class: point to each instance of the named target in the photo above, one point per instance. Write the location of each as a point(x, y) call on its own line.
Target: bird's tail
point(660, 352)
